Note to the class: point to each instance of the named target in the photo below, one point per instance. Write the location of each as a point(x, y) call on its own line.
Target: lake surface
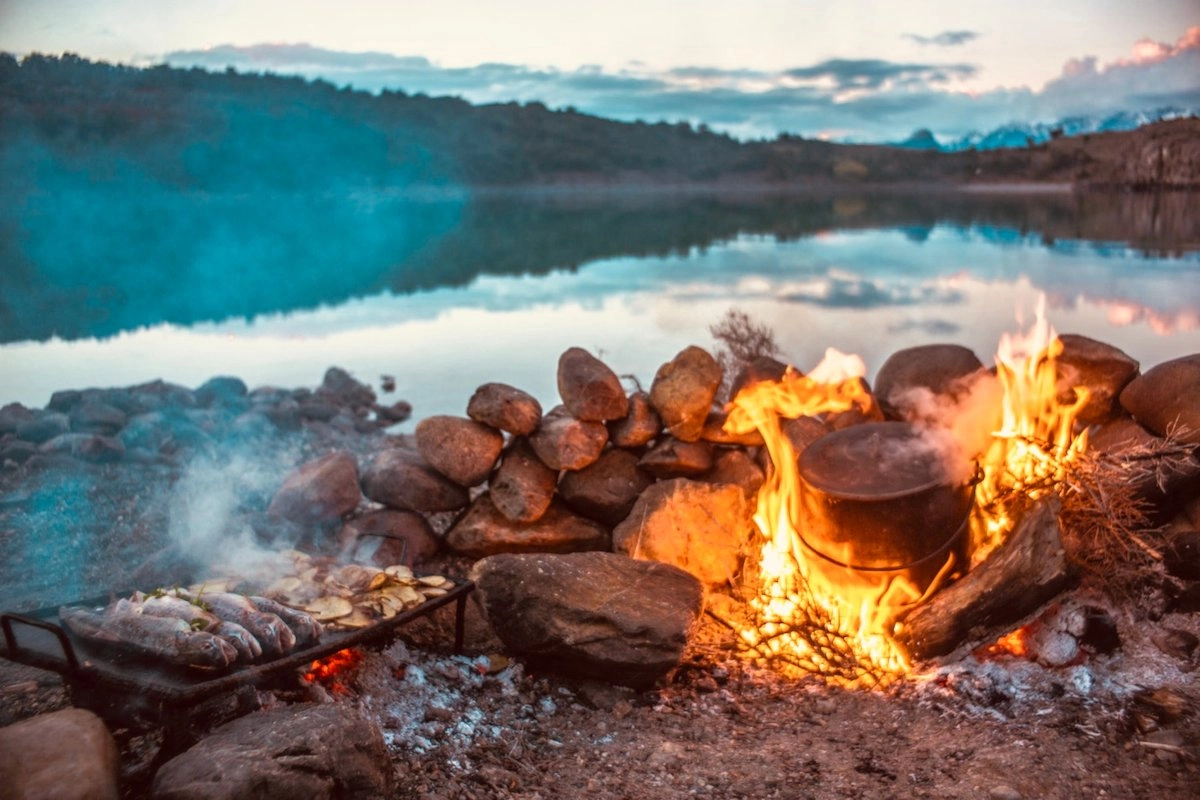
point(446, 291)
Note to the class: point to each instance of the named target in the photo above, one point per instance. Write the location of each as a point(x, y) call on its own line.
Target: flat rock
point(937, 368)
point(484, 531)
point(683, 392)
point(94, 416)
point(523, 486)
point(564, 442)
point(388, 536)
point(43, 427)
point(61, 755)
point(463, 450)
point(505, 407)
point(637, 428)
point(589, 388)
point(400, 478)
point(1101, 369)
point(696, 526)
point(606, 490)
point(321, 490)
point(1167, 398)
point(304, 751)
point(672, 458)
point(592, 615)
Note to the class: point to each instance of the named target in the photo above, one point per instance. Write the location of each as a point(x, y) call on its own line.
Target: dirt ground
point(1121, 725)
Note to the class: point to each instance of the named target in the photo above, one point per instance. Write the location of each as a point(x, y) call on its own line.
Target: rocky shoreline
point(107, 488)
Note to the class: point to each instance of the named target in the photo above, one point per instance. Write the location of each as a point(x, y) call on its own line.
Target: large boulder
point(938, 368)
point(304, 751)
point(1100, 368)
point(605, 491)
point(683, 392)
point(321, 490)
point(672, 458)
point(523, 486)
point(388, 536)
point(593, 615)
point(589, 388)
point(400, 478)
point(566, 442)
point(484, 531)
point(461, 449)
point(506, 408)
point(64, 755)
point(1166, 399)
point(699, 527)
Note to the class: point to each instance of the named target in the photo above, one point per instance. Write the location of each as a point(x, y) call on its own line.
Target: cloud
point(943, 39)
point(866, 99)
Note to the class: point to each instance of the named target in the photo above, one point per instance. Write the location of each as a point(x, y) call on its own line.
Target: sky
point(849, 70)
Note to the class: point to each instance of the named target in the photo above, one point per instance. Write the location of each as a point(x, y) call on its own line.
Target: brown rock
point(506, 408)
point(762, 368)
point(735, 467)
point(856, 415)
point(591, 615)
point(671, 458)
point(606, 490)
point(697, 526)
point(1165, 490)
point(342, 389)
point(714, 431)
point(319, 491)
point(461, 449)
point(939, 368)
point(803, 431)
point(564, 442)
point(306, 751)
point(385, 536)
point(64, 755)
point(484, 531)
point(1101, 369)
point(400, 478)
point(589, 388)
point(1181, 556)
point(639, 426)
point(523, 486)
point(1167, 398)
point(683, 392)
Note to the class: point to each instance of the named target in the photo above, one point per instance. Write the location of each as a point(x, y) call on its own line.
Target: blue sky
point(848, 70)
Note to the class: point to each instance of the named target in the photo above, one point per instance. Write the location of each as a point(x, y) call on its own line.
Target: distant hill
point(1017, 134)
point(66, 122)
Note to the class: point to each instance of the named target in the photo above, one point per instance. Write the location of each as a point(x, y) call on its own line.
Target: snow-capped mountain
point(1018, 134)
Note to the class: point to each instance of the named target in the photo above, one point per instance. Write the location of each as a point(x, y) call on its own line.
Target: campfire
point(836, 618)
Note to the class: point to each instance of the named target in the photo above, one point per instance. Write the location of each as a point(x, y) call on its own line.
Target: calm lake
point(445, 291)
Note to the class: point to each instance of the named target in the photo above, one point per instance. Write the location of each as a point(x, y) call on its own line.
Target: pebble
point(1003, 791)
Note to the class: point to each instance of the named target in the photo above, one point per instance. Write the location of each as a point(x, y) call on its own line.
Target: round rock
point(506, 408)
point(589, 388)
point(683, 392)
point(461, 449)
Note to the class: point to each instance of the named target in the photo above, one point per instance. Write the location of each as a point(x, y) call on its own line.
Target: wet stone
point(506, 408)
point(463, 450)
point(589, 388)
point(564, 442)
point(639, 427)
point(683, 392)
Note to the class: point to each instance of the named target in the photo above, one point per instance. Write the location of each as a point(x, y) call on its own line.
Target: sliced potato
point(327, 608)
point(399, 571)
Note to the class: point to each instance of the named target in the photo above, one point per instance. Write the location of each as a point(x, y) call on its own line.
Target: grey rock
point(86, 447)
point(12, 415)
point(303, 751)
point(44, 426)
point(592, 615)
point(484, 531)
point(463, 450)
point(223, 390)
point(400, 478)
point(96, 417)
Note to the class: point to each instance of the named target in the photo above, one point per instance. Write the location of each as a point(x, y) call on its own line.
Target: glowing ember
point(333, 672)
point(814, 616)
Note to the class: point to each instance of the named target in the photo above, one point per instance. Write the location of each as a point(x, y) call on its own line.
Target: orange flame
point(333, 671)
point(830, 620)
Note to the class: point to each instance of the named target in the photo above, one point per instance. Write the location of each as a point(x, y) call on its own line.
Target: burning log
point(1028, 569)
